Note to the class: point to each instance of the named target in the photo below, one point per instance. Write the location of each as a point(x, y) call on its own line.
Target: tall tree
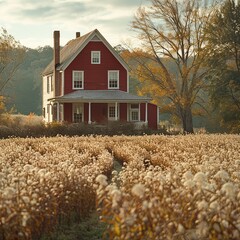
point(223, 32)
point(11, 56)
point(172, 37)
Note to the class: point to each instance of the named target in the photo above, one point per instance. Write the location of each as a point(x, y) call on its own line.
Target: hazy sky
point(32, 22)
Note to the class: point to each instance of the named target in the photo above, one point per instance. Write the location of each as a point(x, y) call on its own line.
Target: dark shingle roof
point(101, 96)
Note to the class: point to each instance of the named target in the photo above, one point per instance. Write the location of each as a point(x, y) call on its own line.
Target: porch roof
point(100, 96)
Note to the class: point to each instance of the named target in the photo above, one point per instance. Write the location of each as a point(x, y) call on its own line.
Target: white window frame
point(112, 105)
point(49, 83)
point(134, 110)
point(81, 111)
point(93, 57)
point(109, 80)
point(73, 79)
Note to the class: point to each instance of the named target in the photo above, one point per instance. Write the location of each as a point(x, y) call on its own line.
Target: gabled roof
point(101, 96)
point(70, 51)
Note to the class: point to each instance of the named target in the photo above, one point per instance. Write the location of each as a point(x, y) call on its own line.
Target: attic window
point(95, 57)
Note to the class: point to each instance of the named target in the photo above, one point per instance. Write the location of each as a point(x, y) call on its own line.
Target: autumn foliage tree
point(223, 35)
point(11, 56)
point(170, 61)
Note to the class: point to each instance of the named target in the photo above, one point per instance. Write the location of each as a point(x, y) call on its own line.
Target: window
point(95, 57)
point(49, 84)
point(77, 113)
point(113, 79)
point(112, 112)
point(134, 112)
point(78, 78)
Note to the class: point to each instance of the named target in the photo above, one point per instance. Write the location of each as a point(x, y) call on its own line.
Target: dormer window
point(113, 79)
point(77, 79)
point(95, 57)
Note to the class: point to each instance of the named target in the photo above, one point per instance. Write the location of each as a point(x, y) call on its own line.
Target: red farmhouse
point(88, 81)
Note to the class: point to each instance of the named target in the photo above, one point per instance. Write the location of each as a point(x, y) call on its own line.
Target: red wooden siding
point(85, 112)
point(99, 112)
point(123, 112)
point(152, 115)
point(68, 112)
point(95, 75)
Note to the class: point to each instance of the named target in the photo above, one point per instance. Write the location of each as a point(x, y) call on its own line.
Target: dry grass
point(170, 187)
point(181, 187)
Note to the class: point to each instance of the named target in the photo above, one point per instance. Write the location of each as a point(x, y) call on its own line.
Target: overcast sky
point(32, 22)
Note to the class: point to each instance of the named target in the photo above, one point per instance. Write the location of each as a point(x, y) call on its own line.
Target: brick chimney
point(78, 34)
point(56, 60)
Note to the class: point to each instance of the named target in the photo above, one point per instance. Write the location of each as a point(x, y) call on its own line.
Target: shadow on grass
point(88, 229)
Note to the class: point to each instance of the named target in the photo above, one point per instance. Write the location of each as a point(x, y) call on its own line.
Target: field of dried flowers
point(170, 187)
point(43, 180)
point(173, 187)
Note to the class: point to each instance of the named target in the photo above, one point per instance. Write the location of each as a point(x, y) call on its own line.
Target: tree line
point(189, 59)
point(188, 62)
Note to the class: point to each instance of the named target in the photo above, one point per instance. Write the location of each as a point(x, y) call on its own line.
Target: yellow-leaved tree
point(171, 60)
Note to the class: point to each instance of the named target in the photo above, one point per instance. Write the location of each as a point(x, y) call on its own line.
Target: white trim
point(99, 55)
point(127, 81)
point(75, 71)
point(116, 108)
point(58, 111)
point(89, 113)
point(113, 71)
point(95, 39)
point(62, 110)
point(63, 80)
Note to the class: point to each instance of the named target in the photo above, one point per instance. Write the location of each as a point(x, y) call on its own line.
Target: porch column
point(116, 115)
point(58, 111)
point(89, 113)
point(146, 112)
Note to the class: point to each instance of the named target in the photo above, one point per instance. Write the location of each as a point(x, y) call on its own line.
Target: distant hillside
point(25, 91)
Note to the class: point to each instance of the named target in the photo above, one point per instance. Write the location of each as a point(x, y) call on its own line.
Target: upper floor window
point(95, 57)
point(78, 79)
point(49, 84)
point(113, 79)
